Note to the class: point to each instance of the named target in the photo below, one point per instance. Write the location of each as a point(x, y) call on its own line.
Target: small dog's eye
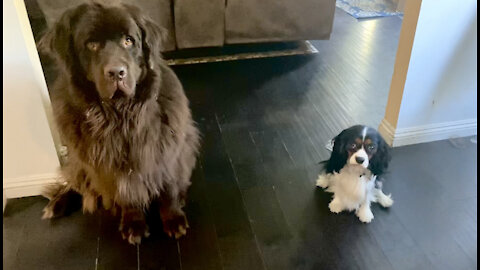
point(129, 41)
point(371, 147)
point(353, 146)
point(93, 46)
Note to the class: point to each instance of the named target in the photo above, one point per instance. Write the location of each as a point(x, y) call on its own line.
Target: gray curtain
point(204, 23)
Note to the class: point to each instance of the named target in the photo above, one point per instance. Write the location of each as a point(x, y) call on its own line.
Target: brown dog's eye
point(129, 41)
point(93, 46)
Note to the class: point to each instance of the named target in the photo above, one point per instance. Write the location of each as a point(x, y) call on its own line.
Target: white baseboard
point(27, 186)
point(427, 133)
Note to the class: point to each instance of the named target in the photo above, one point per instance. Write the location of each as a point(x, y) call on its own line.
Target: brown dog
point(123, 116)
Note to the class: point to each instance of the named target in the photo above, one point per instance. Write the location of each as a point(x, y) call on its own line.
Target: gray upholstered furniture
point(206, 23)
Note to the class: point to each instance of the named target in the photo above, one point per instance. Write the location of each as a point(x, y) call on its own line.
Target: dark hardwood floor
point(253, 203)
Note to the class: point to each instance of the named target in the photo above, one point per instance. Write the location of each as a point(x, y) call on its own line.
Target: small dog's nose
point(359, 160)
point(115, 72)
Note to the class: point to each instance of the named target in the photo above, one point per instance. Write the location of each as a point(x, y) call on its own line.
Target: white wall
point(29, 156)
point(433, 94)
point(441, 83)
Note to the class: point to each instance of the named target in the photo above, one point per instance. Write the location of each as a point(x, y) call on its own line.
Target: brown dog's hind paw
point(48, 212)
point(62, 204)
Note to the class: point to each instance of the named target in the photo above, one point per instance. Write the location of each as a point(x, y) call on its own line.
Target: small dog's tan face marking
point(368, 145)
point(370, 148)
point(354, 147)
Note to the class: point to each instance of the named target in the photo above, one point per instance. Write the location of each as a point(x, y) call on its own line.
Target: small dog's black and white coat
point(359, 157)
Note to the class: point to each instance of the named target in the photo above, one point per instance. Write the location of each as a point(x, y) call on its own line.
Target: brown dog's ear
point(57, 41)
point(153, 36)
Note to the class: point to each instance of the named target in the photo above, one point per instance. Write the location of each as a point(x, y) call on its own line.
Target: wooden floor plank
point(237, 244)
point(199, 249)
point(113, 251)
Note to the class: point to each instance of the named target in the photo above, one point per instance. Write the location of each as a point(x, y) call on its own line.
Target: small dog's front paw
point(385, 200)
point(335, 206)
point(365, 215)
point(322, 181)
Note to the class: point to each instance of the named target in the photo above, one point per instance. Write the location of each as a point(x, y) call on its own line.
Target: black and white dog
point(359, 157)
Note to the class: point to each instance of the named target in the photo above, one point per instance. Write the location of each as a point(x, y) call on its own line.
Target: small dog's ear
point(57, 41)
point(153, 36)
point(381, 159)
point(339, 155)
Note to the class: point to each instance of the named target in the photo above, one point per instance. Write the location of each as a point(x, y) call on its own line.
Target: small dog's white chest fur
point(353, 189)
point(352, 186)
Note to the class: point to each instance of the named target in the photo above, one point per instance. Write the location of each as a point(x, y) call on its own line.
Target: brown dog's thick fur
point(128, 146)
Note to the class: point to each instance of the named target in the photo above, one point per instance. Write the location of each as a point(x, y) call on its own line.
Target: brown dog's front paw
point(175, 224)
point(133, 227)
point(133, 231)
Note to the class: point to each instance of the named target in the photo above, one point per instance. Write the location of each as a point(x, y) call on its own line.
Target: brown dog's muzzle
point(116, 81)
point(115, 72)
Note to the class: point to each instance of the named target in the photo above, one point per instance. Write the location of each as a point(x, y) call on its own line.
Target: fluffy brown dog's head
point(111, 49)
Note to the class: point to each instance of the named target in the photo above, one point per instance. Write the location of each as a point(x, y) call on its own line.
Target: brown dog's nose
point(115, 72)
